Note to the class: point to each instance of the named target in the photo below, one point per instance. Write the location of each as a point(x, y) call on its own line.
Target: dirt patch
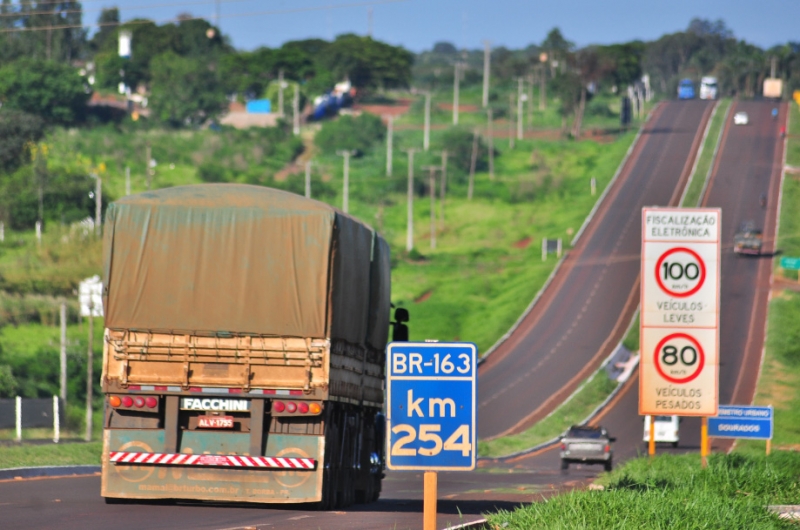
point(523, 243)
point(424, 296)
point(461, 108)
point(384, 110)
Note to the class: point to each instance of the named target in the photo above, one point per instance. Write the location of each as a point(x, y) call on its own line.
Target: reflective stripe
point(186, 459)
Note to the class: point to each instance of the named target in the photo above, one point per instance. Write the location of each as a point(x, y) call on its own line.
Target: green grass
point(698, 178)
point(672, 491)
point(62, 454)
point(793, 152)
point(594, 391)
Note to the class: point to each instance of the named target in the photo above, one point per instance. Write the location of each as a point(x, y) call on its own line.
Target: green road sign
point(790, 263)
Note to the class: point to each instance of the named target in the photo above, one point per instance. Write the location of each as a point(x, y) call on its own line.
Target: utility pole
point(346, 185)
point(511, 121)
point(456, 80)
point(98, 204)
point(389, 134)
point(487, 57)
point(530, 101)
point(89, 374)
point(149, 157)
point(127, 180)
point(443, 186)
point(519, 107)
point(280, 93)
point(472, 162)
point(426, 138)
point(410, 209)
point(543, 85)
point(296, 110)
point(491, 144)
point(308, 179)
point(432, 189)
point(773, 66)
point(63, 354)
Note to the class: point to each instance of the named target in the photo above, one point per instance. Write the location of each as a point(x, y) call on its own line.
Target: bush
point(350, 133)
point(18, 130)
point(458, 143)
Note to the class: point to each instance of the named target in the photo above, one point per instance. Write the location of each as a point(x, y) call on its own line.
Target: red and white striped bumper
point(184, 459)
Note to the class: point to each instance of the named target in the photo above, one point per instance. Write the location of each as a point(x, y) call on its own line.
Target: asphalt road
point(748, 164)
point(745, 169)
point(584, 312)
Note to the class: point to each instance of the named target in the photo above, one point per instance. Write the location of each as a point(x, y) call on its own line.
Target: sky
point(418, 24)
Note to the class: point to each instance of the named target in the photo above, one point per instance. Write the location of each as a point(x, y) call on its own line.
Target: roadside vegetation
point(672, 491)
point(64, 454)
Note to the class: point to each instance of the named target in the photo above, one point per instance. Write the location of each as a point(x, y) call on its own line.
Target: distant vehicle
point(773, 88)
point(741, 118)
point(708, 88)
point(748, 239)
point(686, 89)
point(331, 102)
point(666, 430)
point(588, 445)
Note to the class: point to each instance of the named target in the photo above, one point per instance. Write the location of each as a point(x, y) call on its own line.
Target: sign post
point(431, 413)
point(679, 368)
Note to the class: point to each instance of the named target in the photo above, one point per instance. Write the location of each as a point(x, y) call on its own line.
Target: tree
point(185, 91)
point(369, 64)
point(18, 131)
point(457, 141)
point(53, 91)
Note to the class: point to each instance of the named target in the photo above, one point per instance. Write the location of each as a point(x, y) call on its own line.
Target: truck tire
point(608, 465)
point(564, 465)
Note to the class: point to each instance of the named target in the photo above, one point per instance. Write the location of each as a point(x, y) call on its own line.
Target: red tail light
point(127, 401)
point(302, 408)
point(151, 402)
point(139, 402)
point(607, 448)
point(278, 406)
point(291, 407)
point(563, 447)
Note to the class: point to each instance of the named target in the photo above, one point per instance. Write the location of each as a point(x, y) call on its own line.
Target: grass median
point(673, 491)
point(701, 172)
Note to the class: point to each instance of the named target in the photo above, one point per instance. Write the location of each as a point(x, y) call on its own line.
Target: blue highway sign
point(733, 421)
point(431, 419)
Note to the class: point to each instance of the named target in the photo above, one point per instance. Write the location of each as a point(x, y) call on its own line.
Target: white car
point(741, 118)
point(666, 429)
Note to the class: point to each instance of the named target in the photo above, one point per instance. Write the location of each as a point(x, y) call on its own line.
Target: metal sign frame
point(431, 406)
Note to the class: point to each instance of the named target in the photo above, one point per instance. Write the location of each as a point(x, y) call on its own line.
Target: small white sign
point(679, 364)
point(90, 297)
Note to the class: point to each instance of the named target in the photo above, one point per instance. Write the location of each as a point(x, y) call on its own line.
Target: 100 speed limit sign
point(680, 311)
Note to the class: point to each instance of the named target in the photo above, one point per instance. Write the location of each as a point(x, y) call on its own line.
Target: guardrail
point(19, 413)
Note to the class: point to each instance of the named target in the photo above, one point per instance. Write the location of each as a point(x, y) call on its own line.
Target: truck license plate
point(215, 422)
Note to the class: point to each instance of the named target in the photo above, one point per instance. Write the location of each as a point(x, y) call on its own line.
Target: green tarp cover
point(234, 258)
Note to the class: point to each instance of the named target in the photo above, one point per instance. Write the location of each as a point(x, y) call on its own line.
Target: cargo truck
point(244, 348)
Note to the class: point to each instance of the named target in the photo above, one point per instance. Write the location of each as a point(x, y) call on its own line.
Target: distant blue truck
point(686, 89)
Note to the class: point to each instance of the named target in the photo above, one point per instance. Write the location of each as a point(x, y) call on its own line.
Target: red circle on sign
point(700, 264)
point(700, 354)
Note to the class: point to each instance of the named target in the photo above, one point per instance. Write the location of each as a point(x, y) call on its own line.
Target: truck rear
point(244, 348)
point(748, 240)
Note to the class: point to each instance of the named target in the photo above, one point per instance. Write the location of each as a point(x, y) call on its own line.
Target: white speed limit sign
point(680, 311)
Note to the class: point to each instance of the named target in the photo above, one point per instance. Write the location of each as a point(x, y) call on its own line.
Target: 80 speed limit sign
point(680, 311)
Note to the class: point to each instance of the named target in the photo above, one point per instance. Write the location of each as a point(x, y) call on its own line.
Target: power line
point(146, 6)
point(184, 19)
